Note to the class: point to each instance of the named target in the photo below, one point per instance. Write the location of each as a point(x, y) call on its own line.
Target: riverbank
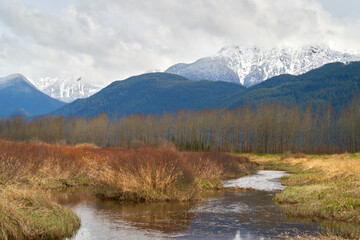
point(30, 213)
point(29, 169)
point(322, 187)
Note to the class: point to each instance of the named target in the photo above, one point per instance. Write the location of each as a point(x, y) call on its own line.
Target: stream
point(220, 215)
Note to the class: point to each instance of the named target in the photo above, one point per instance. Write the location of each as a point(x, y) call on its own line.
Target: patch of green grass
point(354, 155)
point(210, 183)
point(59, 222)
point(267, 154)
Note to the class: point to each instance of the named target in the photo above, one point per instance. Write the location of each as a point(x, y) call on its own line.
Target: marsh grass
point(212, 168)
point(322, 187)
point(149, 174)
point(28, 169)
point(145, 174)
point(31, 214)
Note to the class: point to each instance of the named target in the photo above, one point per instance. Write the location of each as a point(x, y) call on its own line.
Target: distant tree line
point(268, 128)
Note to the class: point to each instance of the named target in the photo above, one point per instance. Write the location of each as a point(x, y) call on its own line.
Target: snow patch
point(66, 88)
point(252, 65)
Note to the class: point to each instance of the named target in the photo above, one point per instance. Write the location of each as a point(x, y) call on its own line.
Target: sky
point(103, 41)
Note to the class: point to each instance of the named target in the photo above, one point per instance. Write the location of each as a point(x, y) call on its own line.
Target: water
point(220, 215)
point(264, 180)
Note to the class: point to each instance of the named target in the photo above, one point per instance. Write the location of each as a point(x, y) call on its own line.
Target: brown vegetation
point(161, 174)
point(143, 174)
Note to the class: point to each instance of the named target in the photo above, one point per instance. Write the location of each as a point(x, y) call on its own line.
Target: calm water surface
point(220, 215)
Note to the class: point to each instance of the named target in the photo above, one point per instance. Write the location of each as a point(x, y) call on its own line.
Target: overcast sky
point(103, 41)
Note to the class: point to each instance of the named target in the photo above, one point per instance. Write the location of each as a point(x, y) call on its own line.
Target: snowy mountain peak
point(66, 88)
point(250, 65)
point(15, 80)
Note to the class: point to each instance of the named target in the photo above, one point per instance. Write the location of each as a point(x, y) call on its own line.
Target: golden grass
point(30, 214)
point(145, 175)
point(323, 187)
point(148, 174)
point(86, 145)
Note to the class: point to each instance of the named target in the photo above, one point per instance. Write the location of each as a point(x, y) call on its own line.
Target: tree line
point(266, 128)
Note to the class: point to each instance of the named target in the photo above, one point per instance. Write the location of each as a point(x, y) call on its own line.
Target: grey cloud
point(107, 40)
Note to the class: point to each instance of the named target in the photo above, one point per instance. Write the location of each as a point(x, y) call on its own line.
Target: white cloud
point(107, 40)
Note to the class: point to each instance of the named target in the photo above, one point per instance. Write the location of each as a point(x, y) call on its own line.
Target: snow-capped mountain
point(16, 80)
point(252, 65)
point(19, 96)
point(66, 88)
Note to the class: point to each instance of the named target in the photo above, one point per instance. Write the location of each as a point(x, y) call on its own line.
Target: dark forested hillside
point(153, 93)
point(335, 83)
point(19, 96)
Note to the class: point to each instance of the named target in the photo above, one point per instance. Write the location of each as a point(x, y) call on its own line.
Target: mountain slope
point(65, 88)
point(153, 93)
point(206, 68)
point(158, 92)
point(18, 95)
point(251, 65)
point(334, 82)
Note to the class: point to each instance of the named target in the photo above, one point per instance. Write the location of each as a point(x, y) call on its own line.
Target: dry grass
point(40, 163)
point(30, 214)
point(148, 174)
point(133, 174)
point(323, 187)
point(142, 174)
point(145, 174)
point(211, 168)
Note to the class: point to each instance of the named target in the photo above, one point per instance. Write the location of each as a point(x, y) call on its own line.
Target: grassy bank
point(28, 169)
point(31, 214)
point(322, 187)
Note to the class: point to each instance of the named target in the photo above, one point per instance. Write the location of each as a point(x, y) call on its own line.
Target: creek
point(219, 215)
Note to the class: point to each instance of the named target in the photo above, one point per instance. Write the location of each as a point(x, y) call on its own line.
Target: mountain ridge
point(251, 65)
point(66, 88)
point(155, 93)
point(152, 93)
point(19, 96)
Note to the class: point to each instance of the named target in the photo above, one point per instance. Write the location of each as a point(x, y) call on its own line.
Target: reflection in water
point(160, 216)
point(109, 219)
point(220, 215)
point(255, 217)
